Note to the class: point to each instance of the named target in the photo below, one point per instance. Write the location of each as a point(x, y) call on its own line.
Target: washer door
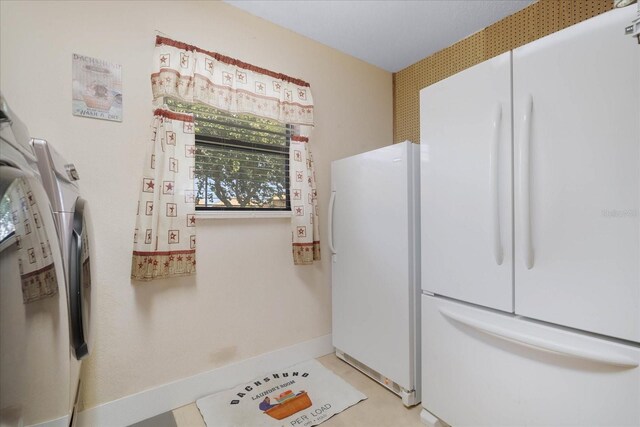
point(80, 294)
point(34, 331)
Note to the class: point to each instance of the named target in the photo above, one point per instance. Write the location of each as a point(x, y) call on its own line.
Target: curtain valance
point(192, 74)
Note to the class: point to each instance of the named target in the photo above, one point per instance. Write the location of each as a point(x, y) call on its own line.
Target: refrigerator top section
point(404, 145)
point(576, 104)
point(396, 153)
point(466, 185)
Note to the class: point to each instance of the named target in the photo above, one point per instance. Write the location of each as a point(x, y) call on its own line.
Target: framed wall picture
point(97, 88)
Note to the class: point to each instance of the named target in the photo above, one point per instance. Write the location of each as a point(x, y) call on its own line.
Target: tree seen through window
point(242, 161)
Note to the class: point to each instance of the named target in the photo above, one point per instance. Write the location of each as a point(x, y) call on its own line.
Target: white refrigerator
point(530, 231)
point(375, 259)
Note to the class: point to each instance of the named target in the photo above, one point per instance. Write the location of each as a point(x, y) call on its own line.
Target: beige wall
point(247, 298)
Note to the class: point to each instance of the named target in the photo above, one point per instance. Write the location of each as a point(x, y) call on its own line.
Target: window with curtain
point(225, 135)
point(241, 161)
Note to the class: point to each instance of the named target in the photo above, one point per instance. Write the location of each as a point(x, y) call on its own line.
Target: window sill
point(237, 214)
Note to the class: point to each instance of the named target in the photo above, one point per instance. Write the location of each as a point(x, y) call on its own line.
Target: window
point(7, 228)
point(242, 161)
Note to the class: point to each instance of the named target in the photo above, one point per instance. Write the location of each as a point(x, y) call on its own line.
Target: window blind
point(242, 161)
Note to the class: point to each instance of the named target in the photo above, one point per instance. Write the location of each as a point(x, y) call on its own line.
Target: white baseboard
point(146, 404)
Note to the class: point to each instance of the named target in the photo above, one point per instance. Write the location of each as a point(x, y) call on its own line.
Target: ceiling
point(389, 34)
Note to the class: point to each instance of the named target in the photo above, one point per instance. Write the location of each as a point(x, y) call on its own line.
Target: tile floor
point(381, 409)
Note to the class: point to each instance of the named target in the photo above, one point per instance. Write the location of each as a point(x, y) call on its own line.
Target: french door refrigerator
point(374, 240)
point(530, 177)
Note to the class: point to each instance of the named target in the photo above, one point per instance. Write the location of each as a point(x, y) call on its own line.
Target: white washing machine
point(40, 347)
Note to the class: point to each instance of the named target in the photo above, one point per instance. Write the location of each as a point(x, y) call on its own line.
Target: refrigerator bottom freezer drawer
point(482, 368)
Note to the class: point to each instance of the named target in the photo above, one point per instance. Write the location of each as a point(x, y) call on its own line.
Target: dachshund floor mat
point(303, 395)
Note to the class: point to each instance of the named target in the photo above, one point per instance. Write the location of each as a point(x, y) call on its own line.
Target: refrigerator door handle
point(525, 184)
point(498, 252)
point(330, 222)
point(604, 356)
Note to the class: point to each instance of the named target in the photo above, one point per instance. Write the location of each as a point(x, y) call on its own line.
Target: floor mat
point(304, 395)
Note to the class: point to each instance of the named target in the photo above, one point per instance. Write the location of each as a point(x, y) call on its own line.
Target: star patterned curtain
point(304, 201)
point(35, 259)
point(190, 74)
point(165, 239)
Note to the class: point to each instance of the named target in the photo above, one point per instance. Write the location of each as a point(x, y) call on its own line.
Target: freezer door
point(373, 283)
point(577, 177)
point(465, 165)
point(485, 368)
